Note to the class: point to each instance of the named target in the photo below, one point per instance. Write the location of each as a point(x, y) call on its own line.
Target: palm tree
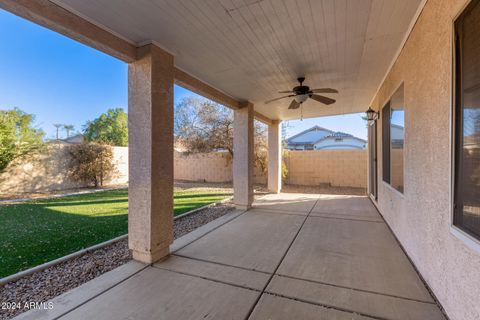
point(58, 126)
point(68, 128)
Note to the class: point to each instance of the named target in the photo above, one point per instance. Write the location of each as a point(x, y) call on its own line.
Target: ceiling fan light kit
point(301, 98)
point(302, 93)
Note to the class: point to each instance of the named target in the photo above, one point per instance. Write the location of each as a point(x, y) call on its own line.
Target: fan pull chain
point(301, 112)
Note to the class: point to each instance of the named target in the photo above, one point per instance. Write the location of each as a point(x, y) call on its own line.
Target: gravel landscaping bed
point(49, 283)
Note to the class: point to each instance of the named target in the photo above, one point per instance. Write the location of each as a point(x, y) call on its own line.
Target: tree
point(204, 126)
point(18, 137)
point(68, 128)
point(57, 126)
point(91, 163)
point(111, 127)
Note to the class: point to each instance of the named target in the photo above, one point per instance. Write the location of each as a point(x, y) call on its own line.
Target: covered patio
point(294, 256)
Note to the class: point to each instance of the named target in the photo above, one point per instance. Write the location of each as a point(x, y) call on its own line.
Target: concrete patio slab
point(289, 202)
point(353, 254)
point(254, 240)
point(230, 275)
point(376, 305)
point(203, 230)
point(358, 216)
point(352, 237)
point(161, 294)
point(345, 205)
point(273, 211)
point(278, 308)
point(82, 294)
point(330, 267)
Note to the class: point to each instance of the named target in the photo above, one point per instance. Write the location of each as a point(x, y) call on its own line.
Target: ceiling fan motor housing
point(301, 89)
point(301, 93)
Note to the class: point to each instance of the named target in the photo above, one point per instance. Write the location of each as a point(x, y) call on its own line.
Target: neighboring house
point(76, 139)
point(318, 138)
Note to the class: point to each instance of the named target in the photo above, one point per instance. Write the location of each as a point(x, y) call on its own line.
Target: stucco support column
point(274, 157)
point(243, 157)
point(150, 124)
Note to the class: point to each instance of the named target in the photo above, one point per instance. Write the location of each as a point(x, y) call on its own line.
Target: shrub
point(91, 163)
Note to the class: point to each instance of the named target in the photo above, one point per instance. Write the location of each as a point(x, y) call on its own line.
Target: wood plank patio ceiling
point(250, 49)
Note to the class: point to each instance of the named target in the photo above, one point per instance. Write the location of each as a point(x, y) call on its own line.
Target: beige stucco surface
point(150, 154)
point(274, 158)
point(421, 217)
point(243, 160)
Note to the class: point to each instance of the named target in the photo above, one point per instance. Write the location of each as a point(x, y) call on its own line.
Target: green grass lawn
point(35, 232)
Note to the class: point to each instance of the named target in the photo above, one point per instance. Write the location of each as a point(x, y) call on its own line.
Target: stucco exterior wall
point(421, 217)
point(339, 168)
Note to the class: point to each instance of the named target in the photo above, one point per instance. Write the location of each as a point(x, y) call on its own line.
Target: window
point(372, 149)
point(393, 124)
point(467, 121)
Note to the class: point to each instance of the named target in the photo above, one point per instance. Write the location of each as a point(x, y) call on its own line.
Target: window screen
point(397, 128)
point(393, 137)
point(386, 142)
point(467, 121)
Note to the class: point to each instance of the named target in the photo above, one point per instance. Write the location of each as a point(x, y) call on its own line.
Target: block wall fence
point(47, 171)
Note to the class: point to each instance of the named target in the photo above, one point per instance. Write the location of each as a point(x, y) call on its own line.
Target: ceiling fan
point(301, 93)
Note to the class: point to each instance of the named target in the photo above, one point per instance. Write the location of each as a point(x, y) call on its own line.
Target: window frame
point(387, 143)
point(457, 184)
point(386, 147)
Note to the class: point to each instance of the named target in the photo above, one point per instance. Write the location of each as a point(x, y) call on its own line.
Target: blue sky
point(62, 81)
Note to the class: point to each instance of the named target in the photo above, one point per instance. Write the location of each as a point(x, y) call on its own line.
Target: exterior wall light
point(372, 115)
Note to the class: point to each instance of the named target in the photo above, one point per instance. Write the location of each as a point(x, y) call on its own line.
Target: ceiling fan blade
point(322, 99)
point(268, 101)
point(294, 104)
point(286, 91)
point(324, 90)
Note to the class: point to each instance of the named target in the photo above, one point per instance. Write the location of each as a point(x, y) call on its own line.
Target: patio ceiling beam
point(56, 18)
point(262, 118)
point(191, 83)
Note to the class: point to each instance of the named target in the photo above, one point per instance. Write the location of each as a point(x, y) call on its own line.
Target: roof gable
point(317, 134)
point(310, 135)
